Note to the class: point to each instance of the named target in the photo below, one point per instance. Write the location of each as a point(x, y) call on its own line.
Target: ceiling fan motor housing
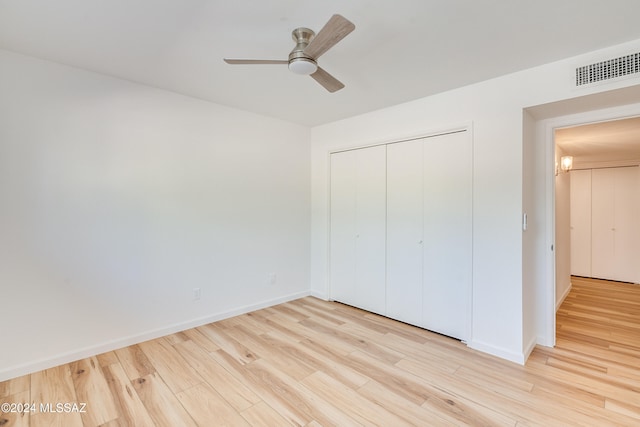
point(299, 62)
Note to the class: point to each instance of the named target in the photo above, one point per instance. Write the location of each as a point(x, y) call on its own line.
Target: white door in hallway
point(615, 234)
point(580, 222)
point(605, 229)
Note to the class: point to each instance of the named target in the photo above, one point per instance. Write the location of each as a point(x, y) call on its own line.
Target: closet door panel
point(603, 223)
point(371, 183)
point(447, 233)
point(343, 227)
point(626, 215)
point(580, 219)
point(404, 231)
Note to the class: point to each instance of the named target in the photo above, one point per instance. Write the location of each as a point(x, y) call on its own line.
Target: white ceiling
point(616, 141)
point(401, 50)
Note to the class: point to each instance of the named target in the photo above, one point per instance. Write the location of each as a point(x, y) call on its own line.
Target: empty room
point(293, 212)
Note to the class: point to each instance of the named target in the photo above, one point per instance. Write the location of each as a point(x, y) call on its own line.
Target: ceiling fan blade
point(327, 81)
point(254, 61)
point(333, 31)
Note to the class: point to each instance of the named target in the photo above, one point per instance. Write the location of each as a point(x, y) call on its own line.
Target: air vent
point(606, 70)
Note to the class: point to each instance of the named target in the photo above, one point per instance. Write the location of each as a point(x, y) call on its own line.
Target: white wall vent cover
point(610, 69)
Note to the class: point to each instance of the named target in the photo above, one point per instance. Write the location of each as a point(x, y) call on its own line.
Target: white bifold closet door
point(405, 241)
point(401, 231)
point(447, 234)
point(580, 222)
point(627, 224)
point(358, 228)
point(429, 208)
point(614, 228)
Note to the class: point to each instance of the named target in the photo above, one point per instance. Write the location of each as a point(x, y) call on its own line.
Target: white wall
point(117, 199)
point(563, 232)
point(533, 238)
point(495, 108)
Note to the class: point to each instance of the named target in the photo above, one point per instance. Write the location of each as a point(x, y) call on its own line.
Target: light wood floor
point(310, 362)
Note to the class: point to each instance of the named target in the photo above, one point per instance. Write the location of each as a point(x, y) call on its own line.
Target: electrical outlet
point(196, 294)
point(273, 279)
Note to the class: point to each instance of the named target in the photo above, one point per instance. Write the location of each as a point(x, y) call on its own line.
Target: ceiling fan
point(303, 59)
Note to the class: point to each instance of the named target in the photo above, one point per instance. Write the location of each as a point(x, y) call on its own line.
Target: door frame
point(546, 130)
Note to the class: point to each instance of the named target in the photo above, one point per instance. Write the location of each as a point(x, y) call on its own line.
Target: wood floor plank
point(625, 408)
point(417, 385)
point(207, 407)
point(134, 362)
point(271, 391)
point(305, 403)
point(53, 386)
point(22, 414)
point(263, 415)
point(293, 330)
point(410, 412)
point(304, 333)
point(584, 382)
point(91, 386)
point(418, 351)
point(176, 338)
point(162, 405)
point(491, 381)
point(374, 322)
point(319, 362)
point(295, 367)
point(289, 312)
point(355, 341)
point(349, 401)
point(197, 337)
point(234, 391)
point(227, 344)
point(131, 410)
point(173, 369)
point(475, 399)
point(106, 359)
point(15, 386)
point(406, 385)
point(311, 310)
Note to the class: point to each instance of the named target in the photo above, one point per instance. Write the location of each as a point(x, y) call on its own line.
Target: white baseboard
point(562, 298)
point(529, 348)
point(500, 352)
point(320, 295)
point(77, 354)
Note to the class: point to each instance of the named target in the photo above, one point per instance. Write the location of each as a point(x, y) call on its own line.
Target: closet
point(417, 229)
point(605, 236)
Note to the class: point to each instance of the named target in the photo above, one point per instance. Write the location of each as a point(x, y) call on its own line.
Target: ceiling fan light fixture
point(303, 66)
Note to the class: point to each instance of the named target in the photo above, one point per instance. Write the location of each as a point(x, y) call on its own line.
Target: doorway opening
point(596, 203)
point(540, 260)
